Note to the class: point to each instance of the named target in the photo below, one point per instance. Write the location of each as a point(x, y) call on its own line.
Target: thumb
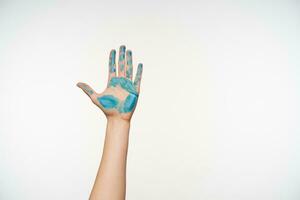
point(86, 88)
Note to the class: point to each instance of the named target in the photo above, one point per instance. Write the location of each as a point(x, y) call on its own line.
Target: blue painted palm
point(121, 95)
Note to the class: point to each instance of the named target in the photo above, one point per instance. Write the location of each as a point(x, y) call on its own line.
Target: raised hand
point(120, 97)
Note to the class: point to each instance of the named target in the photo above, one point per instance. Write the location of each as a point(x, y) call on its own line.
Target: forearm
point(110, 183)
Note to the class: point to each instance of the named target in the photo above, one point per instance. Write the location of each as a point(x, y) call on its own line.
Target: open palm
point(120, 97)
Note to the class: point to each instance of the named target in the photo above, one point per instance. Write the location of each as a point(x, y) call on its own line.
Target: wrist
point(117, 121)
point(117, 128)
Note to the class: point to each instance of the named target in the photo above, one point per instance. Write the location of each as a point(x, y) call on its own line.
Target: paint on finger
point(112, 62)
point(129, 72)
point(122, 58)
point(87, 89)
point(138, 75)
point(129, 64)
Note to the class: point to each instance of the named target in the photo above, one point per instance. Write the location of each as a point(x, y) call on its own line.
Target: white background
point(218, 115)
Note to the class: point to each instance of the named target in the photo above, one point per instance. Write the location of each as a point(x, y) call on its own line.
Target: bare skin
point(118, 102)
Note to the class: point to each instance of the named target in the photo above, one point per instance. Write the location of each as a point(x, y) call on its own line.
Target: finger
point(128, 66)
point(121, 64)
point(138, 76)
point(112, 64)
point(87, 89)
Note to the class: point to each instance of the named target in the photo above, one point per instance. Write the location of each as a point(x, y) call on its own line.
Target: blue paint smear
point(138, 74)
point(129, 103)
point(89, 91)
point(125, 83)
point(113, 57)
point(122, 67)
point(108, 101)
point(122, 47)
point(112, 66)
point(129, 72)
point(122, 53)
point(129, 62)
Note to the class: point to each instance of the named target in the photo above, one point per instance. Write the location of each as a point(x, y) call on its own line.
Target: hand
point(120, 97)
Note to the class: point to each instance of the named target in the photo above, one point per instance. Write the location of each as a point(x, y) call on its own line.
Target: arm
point(110, 182)
point(118, 102)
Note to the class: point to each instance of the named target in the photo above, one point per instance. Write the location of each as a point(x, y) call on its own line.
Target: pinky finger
point(138, 77)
